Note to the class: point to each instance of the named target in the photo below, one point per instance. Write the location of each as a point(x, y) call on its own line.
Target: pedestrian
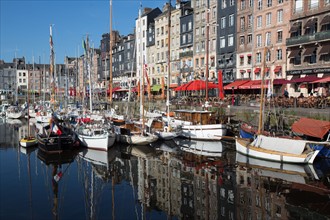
point(286, 93)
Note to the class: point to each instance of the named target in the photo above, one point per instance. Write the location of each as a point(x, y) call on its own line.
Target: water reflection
point(165, 182)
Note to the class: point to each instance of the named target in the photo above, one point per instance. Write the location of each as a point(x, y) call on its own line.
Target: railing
point(186, 54)
point(324, 35)
point(300, 40)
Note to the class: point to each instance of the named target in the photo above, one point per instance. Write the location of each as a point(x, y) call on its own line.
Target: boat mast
point(110, 56)
point(141, 71)
point(260, 125)
point(207, 51)
point(51, 67)
point(168, 62)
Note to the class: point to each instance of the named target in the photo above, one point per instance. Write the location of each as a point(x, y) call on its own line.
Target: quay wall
point(241, 113)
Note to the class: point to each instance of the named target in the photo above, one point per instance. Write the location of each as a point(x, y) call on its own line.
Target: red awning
point(249, 70)
point(277, 69)
point(305, 79)
point(236, 84)
point(257, 70)
point(311, 127)
point(257, 84)
point(267, 69)
point(249, 55)
point(323, 80)
point(280, 81)
point(196, 85)
point(248, 84)
point(242, 71)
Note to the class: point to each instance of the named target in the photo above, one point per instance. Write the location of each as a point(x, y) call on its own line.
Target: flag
point(51, 38)
point(84, 46)
point(56, 129)
point(220, 85)
point(58, 176)
point(269, 90)
point(145, 70)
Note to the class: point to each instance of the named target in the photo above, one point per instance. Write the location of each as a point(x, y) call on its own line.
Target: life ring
point(166, 129)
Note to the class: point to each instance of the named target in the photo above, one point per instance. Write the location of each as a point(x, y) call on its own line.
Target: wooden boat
point(14, 112)
point(164, 132)
point(130, 133)
point(94, 136)
point(28, 141)
point(277, 149)
point(199, 125)
point(55, 138)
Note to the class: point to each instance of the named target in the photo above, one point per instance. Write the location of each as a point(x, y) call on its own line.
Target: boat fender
point(166, 129)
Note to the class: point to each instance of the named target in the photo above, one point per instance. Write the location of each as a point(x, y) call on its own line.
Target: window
point(279, 54)
point(251, 3)
point(298, 6)
point(189, 26)
point(259, 40)
point(280, 16)
point(231, 2)
point(249, 60)
point(243, 4)
point(250, 21)
point(184, 28)
point(279, 36)
point(231, 20)
point(197, 47)
point(222, 42)
point(259, 21)
point(203, 31)
point(241, 40)
point(242, 23)
point(241, 60)
point(269, 3)
point(268, 39)
point(259, 4)
point(249, 39)
point(183, 39)
point(224, 4)
point(197, 32)
point(223, 22)
point(230, 40)
point(280, 1)
point(203, 45)
point(258, 57)
point(268, 55)
point(313, 4)
point(268, 19)
point(189, 38)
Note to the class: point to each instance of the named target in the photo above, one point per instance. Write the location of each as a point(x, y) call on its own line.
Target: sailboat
point(55, 136)
point(134, 132)
point(157, 125)
point(281, 149)
point(94, 135)
point(28, 140)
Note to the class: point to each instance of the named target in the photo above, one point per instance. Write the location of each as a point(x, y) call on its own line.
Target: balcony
point(300, 40)
point(324, 35)
point(186, 54)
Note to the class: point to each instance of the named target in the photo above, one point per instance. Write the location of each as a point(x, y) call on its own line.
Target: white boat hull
point(15, 115)
point(243, 146)
point(204, 132)
point(97, 142)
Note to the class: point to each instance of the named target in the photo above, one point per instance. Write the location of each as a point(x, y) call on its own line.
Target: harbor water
point(162, 181)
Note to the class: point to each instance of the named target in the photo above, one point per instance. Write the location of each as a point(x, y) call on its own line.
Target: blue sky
point(24, 25)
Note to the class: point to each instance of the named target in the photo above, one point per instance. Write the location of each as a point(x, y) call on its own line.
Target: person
point(301, 95)
point(286, 93)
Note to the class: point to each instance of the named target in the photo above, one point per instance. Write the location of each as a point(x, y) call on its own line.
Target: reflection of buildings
point(8, 133)
point(279, 192)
